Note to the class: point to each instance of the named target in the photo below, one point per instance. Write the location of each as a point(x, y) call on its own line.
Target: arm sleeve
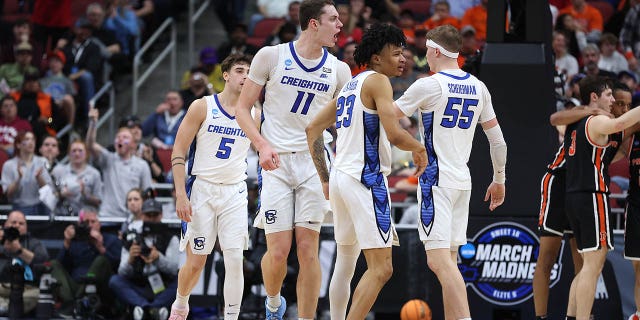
point(498, 151)
point(265, 60)
point(422, 94)
point(170, 263)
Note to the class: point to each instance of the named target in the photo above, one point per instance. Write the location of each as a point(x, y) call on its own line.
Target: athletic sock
point(273, 302)
point(181, 301)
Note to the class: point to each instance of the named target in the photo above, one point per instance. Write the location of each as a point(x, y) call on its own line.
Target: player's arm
point(378, 87)
point(605, 125)
point(323, 120)
point(569, 116)
point(498, 151)
point(186, 133)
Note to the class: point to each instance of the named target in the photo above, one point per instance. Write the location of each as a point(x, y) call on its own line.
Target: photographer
point(147, 277)
point(88, 255)
point(18, 244)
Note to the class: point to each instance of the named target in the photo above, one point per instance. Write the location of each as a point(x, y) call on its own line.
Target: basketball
point(415, 309)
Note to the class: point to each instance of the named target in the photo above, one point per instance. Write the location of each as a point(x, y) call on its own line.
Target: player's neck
point(228, 100)
point(307, 47)
point(446, 65)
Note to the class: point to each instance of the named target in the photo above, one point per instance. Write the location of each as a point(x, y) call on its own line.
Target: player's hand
point(183, 209)
point(420, 160)
point(495, 192)
point(325, 190)
point(269, 159)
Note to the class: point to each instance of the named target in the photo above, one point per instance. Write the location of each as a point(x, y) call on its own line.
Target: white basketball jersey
point(448, 129)
point(363, 150)
point(219, 152)
point(293, 96)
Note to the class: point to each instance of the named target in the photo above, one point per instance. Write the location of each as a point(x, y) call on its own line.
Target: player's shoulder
point(267, 53)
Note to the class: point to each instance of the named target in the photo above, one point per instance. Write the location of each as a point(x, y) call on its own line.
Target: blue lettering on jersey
point(351, 85)
point(462, 88)
point(226, 130)
point(302, 83)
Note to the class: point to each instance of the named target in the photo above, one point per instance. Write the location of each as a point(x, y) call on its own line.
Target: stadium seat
point(420, 8)
point(165, 158)
point(13, 10)
point(263, 29)
point(605, 8)
point(619, 168)
point(396, 196)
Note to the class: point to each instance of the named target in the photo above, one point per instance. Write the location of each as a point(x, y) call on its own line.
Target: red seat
point(165, 158)
point(13, 10)
point(263, 29)
point(420, 8)
point(605, 8)
point(396, 196)
point(619, 168)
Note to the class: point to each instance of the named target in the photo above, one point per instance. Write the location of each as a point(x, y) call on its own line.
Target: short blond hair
point(447, 36)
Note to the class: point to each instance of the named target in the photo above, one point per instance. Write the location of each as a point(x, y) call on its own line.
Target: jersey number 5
point(462, 118)
point(307, 102)
point(344, 119)
point(224, 150)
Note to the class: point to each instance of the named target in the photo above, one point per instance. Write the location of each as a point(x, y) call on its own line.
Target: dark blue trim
point(295, 57)
point(466, 76)
point(382, 209)
point(221, 108)
point(430, 176)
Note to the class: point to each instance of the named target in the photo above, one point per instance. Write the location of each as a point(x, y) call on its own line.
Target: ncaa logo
point(498, 263)
point(270, 216)
point(215, 113)
point(198, 243)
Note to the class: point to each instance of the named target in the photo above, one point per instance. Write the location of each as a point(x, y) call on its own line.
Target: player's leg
point(234, 238)
point(379, 271)
point(586, 286)
point(340, 285)
point(309, 274)
point(454, 292)
point(549, 248)
point(274, 265)
point(636, 289)
point(632, 248)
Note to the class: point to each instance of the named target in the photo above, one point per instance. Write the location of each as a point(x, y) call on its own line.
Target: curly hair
point(375, 38)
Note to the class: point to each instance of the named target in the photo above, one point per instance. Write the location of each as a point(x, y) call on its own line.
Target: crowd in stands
point(56, 55)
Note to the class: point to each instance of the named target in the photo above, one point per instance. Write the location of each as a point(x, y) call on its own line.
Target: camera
point(82, 232)
point(132, 236)
point(10, 234)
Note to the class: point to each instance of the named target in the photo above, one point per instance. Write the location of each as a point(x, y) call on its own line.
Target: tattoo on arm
point(319, 160)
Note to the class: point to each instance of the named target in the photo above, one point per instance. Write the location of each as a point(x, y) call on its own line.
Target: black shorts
point(632, 232)
point(552, 220)
point(588, 214)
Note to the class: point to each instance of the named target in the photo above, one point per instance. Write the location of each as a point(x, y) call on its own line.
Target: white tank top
point(363, 150)
point(219, 152)
point(293, 96)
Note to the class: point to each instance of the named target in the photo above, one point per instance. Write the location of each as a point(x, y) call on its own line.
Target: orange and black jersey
point(557, 165)
point(634, 170)
point(587, 163)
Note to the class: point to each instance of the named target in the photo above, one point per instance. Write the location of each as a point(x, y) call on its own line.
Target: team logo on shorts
point(270, 216)
point(498, 263)
point(198, 243)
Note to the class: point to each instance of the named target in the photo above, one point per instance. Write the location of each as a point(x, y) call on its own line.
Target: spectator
point(441, 16)
point(12, 74)
point(151, 253)
point(477, 18)
point(209, 66)
point(33, 101)
point(237, 43)
point(576, 39)
point(588, 18)
point(107, 38)
point(590, 58)
point(284, 33)
point(121, 170)
point(134, 205)
point(631, 80)
point(469, 46)
point(83, 65)
point(59, 86)
point(50, 150)
point(79, 184)
point(347, 56)
point(401, 83)
point(29, 250)
point(51, 21)
point(143, 149)
point(420, 51)
point(198, 88)
point(630, 32)
point(349, 32)
point(293, 16)
point(122, 20)
point(610, 58)
point(272, 9)
point(88, 254)
point(459, 7)
point(163, 125)
point(21, 33)
point(407, 23)
point(10, 124)
point(566, 64)
point(24, 175)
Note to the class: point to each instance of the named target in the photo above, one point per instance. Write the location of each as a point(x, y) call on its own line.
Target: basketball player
point(451, 103)
point(300, 78)
point(553, 222)
point(589, 148)
point(364, 118)
point(214, 202)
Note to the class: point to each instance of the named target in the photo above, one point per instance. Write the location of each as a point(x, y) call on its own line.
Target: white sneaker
point(138, 313)
point(163, 313)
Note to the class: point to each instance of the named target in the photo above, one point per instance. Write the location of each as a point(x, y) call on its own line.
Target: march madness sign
point(498, 263)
